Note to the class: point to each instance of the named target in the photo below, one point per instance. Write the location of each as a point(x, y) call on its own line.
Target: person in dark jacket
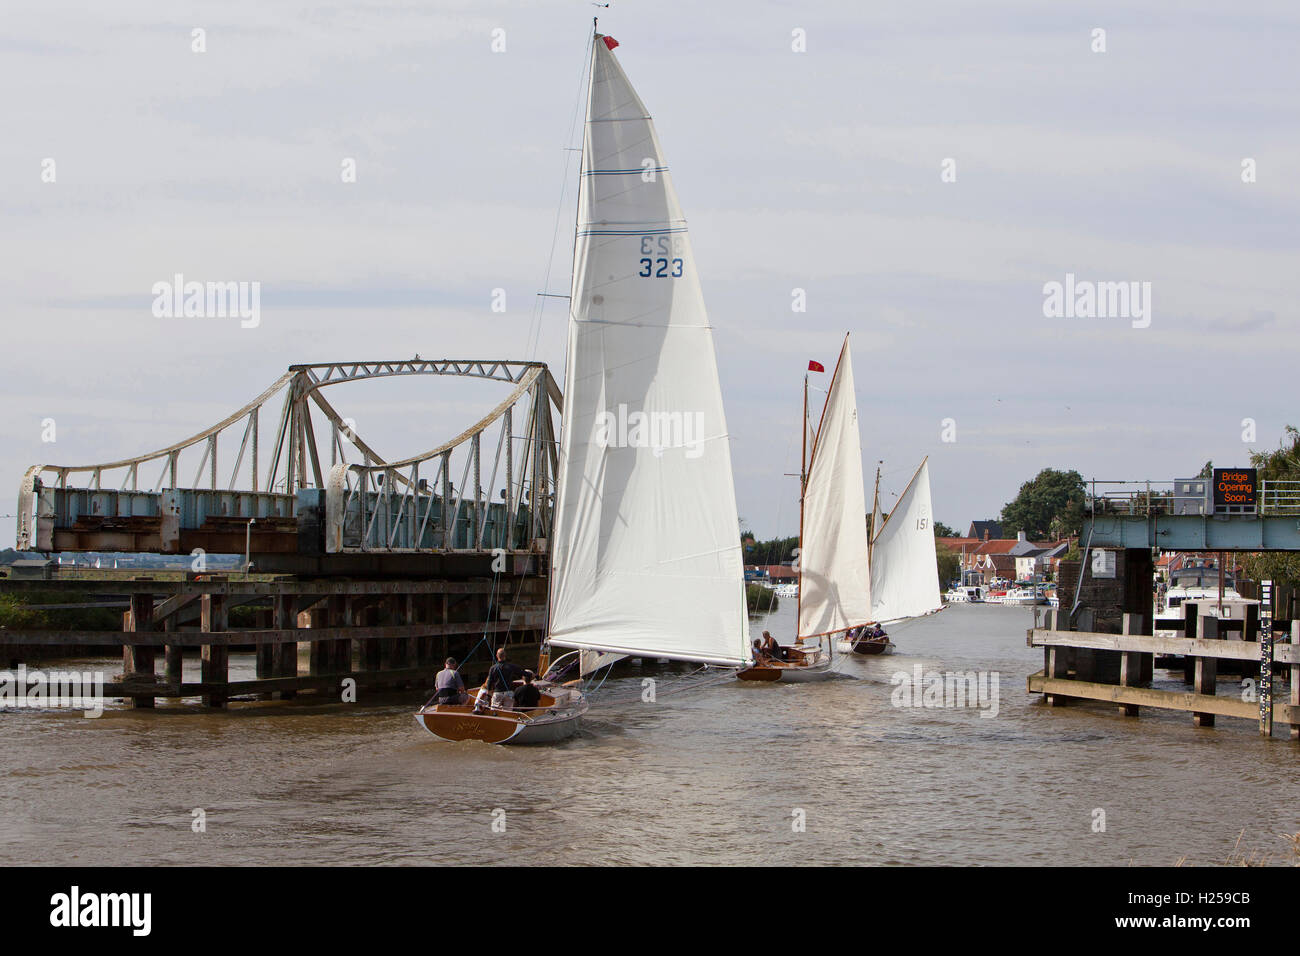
point(500, 683)
point(527, 696)
point(448, 687)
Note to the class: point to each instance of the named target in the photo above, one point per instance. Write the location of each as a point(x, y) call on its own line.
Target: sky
point(919, 170)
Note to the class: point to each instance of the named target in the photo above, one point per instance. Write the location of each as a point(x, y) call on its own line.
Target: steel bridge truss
point(308, 501)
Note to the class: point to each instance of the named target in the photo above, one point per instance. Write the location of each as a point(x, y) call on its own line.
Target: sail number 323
point(661, 257)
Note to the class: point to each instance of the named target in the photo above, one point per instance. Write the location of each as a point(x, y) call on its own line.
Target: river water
point(711, 772)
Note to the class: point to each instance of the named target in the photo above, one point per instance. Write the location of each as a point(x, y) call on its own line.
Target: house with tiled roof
point(985, 530)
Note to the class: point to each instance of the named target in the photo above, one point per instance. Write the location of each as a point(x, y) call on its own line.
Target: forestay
point(647, 556)
point(834, 577)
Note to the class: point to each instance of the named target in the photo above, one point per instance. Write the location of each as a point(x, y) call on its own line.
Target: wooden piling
point(1130, 662)
point(284, 655)
point(1055, 662)
point(137, 660)
point(214, 658)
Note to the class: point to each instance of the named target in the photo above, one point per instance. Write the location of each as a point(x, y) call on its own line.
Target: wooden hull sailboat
point(904, 572)
point(876, 644)
point(556, 718)
point(802, 665)
point(644, 499)
point(834, 572)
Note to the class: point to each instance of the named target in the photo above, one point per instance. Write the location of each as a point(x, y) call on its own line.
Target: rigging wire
point(539, 301)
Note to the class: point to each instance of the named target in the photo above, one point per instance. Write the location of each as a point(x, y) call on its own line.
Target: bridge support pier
point(138, 660)
point(214, 659)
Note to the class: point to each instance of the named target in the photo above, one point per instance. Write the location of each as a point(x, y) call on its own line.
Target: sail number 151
point(661, 257)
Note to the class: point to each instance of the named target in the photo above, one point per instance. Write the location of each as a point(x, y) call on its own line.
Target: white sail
point(591, 661)
point(647, 557)
point(834, 578)
point(904, 573)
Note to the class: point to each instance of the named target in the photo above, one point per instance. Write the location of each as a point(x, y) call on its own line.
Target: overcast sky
point(817, 170)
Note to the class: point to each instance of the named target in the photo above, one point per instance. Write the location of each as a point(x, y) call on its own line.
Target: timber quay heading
point(1100, 644)
point(384, 566)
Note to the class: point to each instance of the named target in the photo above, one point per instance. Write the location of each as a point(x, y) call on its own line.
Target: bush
point(760, 599)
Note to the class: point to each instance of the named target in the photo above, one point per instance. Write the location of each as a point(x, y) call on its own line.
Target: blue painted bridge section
point(1183, 515)
point(1194, 532)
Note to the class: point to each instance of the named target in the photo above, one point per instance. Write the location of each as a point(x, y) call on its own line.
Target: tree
point(941, 530)
point(949, 564)
point(1050, 503)
point(776, 551)
point(1207, 471)
point(1282, 464)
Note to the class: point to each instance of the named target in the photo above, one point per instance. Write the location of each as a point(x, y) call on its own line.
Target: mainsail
point(834, 577)
point(647, 557)
point(904, 573)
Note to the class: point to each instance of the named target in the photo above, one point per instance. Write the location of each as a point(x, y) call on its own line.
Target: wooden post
point(1191, 617)
point(174, 657)
point(264, 653)
point(377, 652)
point(1206, 669)
point(214, 659)
point(1130, 662)
point(138, 661)
point(1055, 664)
point(406, 604)
point(284, 654)
point(339, 654)
point(318, 651)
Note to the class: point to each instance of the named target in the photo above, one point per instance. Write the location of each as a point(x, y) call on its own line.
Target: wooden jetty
point(1117, 669)
point(379, 633)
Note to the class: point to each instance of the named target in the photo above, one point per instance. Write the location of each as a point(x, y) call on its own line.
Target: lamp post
point(248, 542)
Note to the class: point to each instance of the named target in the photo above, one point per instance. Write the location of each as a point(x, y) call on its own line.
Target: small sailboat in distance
point(834, 575)
point(645, 502)
point(904, 570)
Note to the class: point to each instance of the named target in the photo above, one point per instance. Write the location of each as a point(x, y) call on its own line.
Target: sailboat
point(904, 572)
point(834, 574)
point(645, 501)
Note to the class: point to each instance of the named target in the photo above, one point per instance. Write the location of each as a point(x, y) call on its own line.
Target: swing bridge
point(370, 570)
point(334, 508)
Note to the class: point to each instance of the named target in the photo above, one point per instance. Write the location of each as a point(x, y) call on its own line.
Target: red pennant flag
point(610, 43)
point(816, 367)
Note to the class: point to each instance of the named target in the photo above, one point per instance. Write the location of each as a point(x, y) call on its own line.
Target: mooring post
point(1191, 617)
point(214, 660)
point(407, 604)
point(173, 657)
point(264, 653)
point(138, 660)
point(284, 654)
point(1130, 662)
point(340, 615)
point(1055, 664)
point(1206, 669)
point(318, 651)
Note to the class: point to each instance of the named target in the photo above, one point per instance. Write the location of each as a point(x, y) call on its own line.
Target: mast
point(543, 652)
point(875, 514)
point(834, 575)
point(803, 481)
